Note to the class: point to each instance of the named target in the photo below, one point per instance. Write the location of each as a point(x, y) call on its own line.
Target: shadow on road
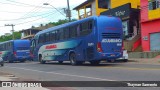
point(102, 64)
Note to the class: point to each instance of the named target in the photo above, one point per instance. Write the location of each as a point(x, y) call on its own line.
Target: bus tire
point(60, 62)
point(94, 62)
point(10, 61)
point(72, 58)
point(22, 61)
point(40, 60)
point(2, 64)
point(125, 60)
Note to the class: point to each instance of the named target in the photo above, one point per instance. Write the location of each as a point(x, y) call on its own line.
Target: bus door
point(33, 49)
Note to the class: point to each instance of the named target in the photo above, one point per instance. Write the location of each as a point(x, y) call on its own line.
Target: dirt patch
point(145, 61)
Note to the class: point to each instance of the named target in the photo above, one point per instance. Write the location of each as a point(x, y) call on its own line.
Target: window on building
point(154, 4)
point(105, 4)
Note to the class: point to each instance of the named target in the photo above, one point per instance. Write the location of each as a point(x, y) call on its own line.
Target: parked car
point(1, 62)
point(124, 57)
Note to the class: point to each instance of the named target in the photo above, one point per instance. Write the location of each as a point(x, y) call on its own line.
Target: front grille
point(111, 35)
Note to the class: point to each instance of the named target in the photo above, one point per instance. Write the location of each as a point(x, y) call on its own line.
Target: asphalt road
point(103, 72)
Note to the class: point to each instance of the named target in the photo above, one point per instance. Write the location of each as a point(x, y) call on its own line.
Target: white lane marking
point(62, 74)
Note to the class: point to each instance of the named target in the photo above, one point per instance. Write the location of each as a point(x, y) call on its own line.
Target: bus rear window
point(22, 48)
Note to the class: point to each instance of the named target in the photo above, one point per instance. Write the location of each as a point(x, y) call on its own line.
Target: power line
point(34, 9)
point(32, 20)
point(16, 12)
point(21, 4)
point(54, 8)
point(25, 17)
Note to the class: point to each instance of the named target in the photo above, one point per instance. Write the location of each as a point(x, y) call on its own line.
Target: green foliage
point(17, 35)
point(61, 22)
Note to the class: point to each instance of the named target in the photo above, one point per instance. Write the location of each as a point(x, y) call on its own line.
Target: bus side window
point(41, 39)
point(90, 26)
point(61, 34)
point(79, 28)
point(47, 37)
point(53, 36)
point(73, 31)
point(66, 33)
point(44, 38)
point(57, 35)
point(86, 28)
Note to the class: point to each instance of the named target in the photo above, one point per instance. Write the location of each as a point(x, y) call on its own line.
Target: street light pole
point(53, 7)
point(11, 30)
point(68, 11)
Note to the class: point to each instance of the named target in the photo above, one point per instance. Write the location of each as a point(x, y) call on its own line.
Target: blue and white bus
point(15, 50)
point(91, 39)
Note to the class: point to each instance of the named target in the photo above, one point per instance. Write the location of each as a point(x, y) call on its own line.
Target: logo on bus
point(111, 40)
point(51, 46)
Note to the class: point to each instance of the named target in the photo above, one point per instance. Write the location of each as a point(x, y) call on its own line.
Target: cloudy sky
point(26, 13)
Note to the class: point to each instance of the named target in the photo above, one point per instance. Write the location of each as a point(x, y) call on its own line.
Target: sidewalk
point(9, 77)
point(144, 60)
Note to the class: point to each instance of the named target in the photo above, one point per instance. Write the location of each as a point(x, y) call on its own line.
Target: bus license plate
point(112, 55)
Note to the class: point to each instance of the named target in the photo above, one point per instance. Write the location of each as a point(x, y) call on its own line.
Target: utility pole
point(68, 11)
point(11, 30)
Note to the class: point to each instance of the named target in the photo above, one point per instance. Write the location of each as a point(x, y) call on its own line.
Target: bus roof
point(66, 24)
point(70, 23)
point(14, 40)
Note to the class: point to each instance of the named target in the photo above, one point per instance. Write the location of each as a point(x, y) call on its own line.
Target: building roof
point(30, 29)
point(83, 4)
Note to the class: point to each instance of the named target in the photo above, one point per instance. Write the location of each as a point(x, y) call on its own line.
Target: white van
point(124, 57)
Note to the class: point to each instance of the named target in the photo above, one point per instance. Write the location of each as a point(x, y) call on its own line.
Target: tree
point(17, 35)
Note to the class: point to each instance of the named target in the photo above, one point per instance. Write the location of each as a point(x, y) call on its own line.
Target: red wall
point(144, 10)
point(146, 29)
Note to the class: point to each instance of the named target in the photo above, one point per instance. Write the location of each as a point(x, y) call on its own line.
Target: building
point(130, 19)
point(7, 34)
point(150, 25)
point(127, 10)
point(95, 7)
point(28, 33)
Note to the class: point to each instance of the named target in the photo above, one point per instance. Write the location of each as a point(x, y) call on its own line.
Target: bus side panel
point(57, 51)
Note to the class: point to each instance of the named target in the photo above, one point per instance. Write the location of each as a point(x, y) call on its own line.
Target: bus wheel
point(72, 58)
point(22, 61)
point(41, 61)
point(125, 60)
point(10, 61)
point(94, 62)
point(60, 62)
point(2, 64)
